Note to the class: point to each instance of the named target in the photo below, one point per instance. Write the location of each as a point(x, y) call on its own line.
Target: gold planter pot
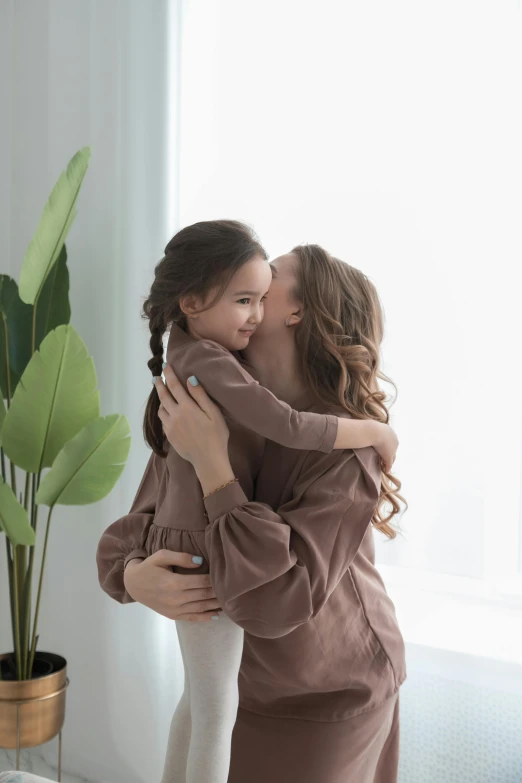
point(32, 712)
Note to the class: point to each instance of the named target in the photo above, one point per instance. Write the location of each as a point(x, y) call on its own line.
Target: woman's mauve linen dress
point(291, 557)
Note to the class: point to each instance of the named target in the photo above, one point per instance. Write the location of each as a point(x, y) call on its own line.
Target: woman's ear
point(294, 318)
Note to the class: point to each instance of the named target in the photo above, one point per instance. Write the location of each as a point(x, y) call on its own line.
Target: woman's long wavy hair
point(198, 259)
point(339, 341)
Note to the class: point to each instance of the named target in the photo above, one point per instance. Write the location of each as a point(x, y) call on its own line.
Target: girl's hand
point(177, 596)
point(386, 445)
point(192, 422)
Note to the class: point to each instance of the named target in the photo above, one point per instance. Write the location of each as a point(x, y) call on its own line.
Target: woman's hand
point(193, 423)
point(386, 445)
point(196, 429)
point(176, 596)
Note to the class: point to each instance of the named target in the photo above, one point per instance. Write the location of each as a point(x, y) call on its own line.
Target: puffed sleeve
point(125, 538)
point(251, 404)
point(273, 570)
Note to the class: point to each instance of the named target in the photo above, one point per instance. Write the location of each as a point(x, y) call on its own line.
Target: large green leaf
point(89, 465)
point(2, 417)
point(54, 400)
point(53, 307)
point(16, 320)
point(52, 230)
point(13, 518)
point(15, 333)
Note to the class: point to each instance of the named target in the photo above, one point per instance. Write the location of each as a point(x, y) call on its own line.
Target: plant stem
point(13, 477)
point(27, 586)
point(10, 556)
point(26, 493)
point(17, 626)
point(23, 600)
point(2, 465)
point(33, 646)
point(11, 583)
point(29, 578)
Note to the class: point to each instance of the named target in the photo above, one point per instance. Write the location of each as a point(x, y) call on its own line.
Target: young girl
point(209, 288)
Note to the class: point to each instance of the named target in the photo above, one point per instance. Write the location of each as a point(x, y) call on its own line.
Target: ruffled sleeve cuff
point(224, 500)
point(134, 553)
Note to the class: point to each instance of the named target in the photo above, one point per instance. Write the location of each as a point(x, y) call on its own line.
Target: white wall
point(75, 73)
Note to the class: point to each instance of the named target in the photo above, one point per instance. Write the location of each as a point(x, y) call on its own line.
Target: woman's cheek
point(273, 311)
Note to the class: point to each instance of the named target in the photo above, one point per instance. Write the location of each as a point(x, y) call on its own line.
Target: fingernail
point(164, 365)
point(215, 617)
point(197, 559)
point(193, 380)
point(154, 378)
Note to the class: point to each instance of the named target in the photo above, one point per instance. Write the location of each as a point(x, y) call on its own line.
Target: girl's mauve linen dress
point(291, 555)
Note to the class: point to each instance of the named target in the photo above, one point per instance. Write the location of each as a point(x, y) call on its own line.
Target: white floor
point(32, 761)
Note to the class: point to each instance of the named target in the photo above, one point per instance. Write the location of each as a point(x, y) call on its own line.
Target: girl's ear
point(190, 305)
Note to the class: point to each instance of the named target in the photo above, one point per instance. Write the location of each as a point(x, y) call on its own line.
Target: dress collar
point(177, 338)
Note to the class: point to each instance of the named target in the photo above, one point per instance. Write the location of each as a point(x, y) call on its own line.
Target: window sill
point(455, 614)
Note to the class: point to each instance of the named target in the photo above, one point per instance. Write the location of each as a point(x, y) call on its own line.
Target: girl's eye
point(244, 300)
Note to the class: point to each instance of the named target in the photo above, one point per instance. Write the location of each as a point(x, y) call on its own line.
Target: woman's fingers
point(180, 394)
point(199, 582)
point(165, 397)
point(200, 606)
point(198, 393)
point(173, 385)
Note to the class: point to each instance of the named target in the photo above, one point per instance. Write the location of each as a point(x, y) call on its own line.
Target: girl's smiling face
point(238, 312)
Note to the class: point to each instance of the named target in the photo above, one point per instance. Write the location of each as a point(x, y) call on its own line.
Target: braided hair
point(198, 259)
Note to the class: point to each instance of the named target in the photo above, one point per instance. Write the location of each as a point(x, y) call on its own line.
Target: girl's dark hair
point(197, 259)
point(339, 341)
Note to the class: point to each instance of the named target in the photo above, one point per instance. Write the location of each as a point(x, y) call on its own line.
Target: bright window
point(391, 134)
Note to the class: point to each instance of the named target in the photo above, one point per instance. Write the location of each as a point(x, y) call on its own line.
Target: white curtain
point(99, 73)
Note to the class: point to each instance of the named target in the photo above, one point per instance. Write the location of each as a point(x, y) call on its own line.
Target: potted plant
point(51, 428)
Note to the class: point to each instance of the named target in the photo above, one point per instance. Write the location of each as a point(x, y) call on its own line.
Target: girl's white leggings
point(199, 744)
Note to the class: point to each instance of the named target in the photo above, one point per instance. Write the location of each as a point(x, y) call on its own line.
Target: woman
point(323, 657)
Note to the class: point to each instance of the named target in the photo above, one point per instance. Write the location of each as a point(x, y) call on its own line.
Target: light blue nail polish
point(154, 378)
point(193, 380)
point(197, 559)
point(215, 617)
point(164, 365)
